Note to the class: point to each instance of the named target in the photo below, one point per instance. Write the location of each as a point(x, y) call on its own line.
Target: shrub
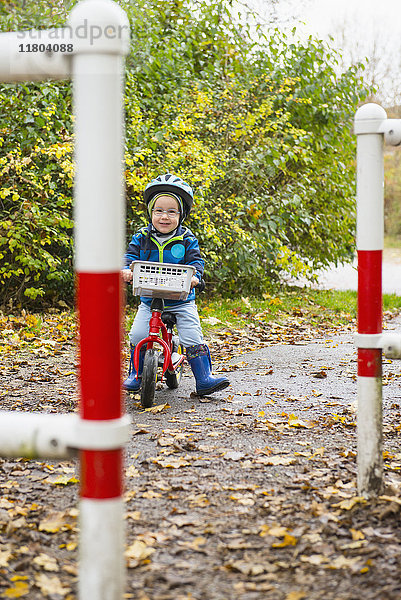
point(261, 129)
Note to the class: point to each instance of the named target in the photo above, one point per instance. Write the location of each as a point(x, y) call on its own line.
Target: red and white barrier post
point(370, 231)
point(98, 71)
point(96, 41)
point(371, 127)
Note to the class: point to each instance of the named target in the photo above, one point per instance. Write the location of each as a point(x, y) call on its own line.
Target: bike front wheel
point(149, 377)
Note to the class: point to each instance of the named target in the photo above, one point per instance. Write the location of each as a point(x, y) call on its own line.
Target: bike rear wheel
point(173, 379)
point(149, 377)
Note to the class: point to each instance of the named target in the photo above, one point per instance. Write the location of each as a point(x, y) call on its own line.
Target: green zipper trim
point(161, 248)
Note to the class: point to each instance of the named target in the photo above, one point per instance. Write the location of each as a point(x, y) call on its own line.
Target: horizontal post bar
point(36, 55)
point(96, 27)
point(58, 436)
point(392, 131)
point(389, 342)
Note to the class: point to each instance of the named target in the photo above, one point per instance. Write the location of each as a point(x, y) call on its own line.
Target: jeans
point(188, 324)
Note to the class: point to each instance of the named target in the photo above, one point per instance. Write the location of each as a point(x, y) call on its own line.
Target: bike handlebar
point(200, 286)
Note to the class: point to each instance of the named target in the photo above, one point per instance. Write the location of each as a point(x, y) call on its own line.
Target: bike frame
point(156, 326)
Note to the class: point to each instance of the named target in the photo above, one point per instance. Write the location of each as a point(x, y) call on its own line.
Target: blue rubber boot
point(201, 365)
point(132, 383)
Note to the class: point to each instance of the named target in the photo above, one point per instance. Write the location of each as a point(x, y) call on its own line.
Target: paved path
point(345, 277)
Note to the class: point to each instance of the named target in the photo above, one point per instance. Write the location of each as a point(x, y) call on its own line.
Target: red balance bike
point(163, 352)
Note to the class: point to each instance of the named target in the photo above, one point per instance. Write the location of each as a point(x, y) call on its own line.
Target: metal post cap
point(368, 118)
point(99, 26)
point(370, 111)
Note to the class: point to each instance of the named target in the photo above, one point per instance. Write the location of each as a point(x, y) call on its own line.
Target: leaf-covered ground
point(247, 495)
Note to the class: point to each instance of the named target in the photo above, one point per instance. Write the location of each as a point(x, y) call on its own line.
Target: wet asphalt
point(315, 382)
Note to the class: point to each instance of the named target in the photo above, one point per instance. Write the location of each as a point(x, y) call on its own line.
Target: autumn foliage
point(261, 127)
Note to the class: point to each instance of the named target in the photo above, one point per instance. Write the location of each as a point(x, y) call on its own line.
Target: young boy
point(169, 201)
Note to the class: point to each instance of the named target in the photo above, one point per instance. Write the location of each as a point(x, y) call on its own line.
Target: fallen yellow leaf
point(278, 531)
point(51, 585)
point(198, 500)
point(350, 503)
point(132, 471)
point(391, 499)
point(341, 562)
point(318, 452)
point(294, 421)
point(71, 546)
point(151, 494)
point(158, 408)
point(289, 540)
point(314, 559)
point(54, 522)
point(5, 556)
point(138, 551)
point(242, 499)
point(48, 563)
point(172, 463)
point(357, 535)
point(247, 568)
point(20, 589)
point(61, 479)
point(276, 460)
point(195, 544)
point(4, 503)
point(296, 595)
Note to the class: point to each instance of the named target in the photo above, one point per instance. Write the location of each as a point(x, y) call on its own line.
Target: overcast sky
point(367, 16)
point(361, 28)
point(321, 15)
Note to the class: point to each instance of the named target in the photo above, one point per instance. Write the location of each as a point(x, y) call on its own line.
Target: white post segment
point(58, 435)
point(369, 119)
point(98, 71)
point(370, 436)
point(99, 200)
point(102, 574)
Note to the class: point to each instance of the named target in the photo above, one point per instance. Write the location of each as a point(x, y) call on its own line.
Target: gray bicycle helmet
point(173, 184)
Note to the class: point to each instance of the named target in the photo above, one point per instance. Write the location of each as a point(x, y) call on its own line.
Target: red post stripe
point(99, 300)
point(369, 362)
point(99, 307)
point(369, 291)
point(101, 474)
point(370, 309)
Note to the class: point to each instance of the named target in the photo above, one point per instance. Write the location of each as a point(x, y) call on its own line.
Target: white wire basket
point(162, 280)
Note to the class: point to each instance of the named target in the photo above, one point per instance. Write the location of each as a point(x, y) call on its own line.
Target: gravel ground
point(248, 494)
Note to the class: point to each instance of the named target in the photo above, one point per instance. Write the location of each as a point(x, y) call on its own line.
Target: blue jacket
point(182, 248)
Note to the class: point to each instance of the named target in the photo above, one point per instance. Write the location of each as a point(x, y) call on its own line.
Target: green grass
point(315, 306)
point(286, 306)
point(392, 241)
point(391, 302)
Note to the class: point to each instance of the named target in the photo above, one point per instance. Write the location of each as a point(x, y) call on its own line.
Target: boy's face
point(165, 214)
